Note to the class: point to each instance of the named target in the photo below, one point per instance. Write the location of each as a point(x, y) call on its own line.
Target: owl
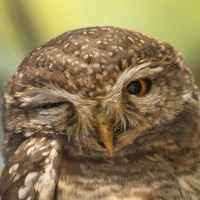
point(101, 113)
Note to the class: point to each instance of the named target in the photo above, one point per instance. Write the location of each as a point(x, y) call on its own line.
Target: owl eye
point(50, 105)
point(139, 87)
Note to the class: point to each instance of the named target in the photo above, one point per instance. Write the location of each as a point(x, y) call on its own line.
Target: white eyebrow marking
point(52, 92)
point(115, 91)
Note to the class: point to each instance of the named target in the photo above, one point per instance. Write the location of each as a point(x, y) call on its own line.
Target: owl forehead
point(90, 60)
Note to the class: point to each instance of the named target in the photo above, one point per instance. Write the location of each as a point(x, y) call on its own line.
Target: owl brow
point(78, 99)
point(43, 94)
point(126, 75)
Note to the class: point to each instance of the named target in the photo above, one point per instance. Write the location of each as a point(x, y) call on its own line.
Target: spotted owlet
point(101, 113)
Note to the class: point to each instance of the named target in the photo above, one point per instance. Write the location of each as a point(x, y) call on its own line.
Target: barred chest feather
point(136, 180)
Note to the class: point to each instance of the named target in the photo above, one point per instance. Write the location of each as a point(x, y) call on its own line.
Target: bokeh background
point(26, 24)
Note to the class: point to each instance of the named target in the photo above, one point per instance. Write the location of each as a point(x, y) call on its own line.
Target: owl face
point(99, 90)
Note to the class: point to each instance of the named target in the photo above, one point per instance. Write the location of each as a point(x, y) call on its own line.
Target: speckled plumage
point(51, 109)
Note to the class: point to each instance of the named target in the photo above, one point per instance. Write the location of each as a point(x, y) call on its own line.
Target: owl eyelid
point(50, 105)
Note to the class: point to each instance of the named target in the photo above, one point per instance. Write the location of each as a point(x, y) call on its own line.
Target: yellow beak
point(105, 131)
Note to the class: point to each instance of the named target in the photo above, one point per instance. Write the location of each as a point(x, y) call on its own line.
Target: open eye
point(50, 105)
point(139, 87)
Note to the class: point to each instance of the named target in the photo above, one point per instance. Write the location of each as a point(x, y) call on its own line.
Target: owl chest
point(89, 181)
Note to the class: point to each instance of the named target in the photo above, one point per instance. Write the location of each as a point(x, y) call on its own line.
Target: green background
point(26, 24)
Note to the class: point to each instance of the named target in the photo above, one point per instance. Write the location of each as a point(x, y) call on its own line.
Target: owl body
point(101, 113)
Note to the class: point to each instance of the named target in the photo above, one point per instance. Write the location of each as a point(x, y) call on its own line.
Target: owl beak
point(105, 132)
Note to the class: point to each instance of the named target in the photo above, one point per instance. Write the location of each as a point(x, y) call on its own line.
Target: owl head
point(105, 92)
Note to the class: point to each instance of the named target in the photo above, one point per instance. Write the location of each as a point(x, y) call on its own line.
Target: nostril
point(101, 144)
point(118, 128)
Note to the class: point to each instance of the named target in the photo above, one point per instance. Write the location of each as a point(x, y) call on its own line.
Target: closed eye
point(50, 105)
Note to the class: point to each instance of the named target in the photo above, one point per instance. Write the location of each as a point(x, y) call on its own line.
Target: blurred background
point(25, 25)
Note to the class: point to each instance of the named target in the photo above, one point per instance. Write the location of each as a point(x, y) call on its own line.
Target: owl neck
point(176, 142)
